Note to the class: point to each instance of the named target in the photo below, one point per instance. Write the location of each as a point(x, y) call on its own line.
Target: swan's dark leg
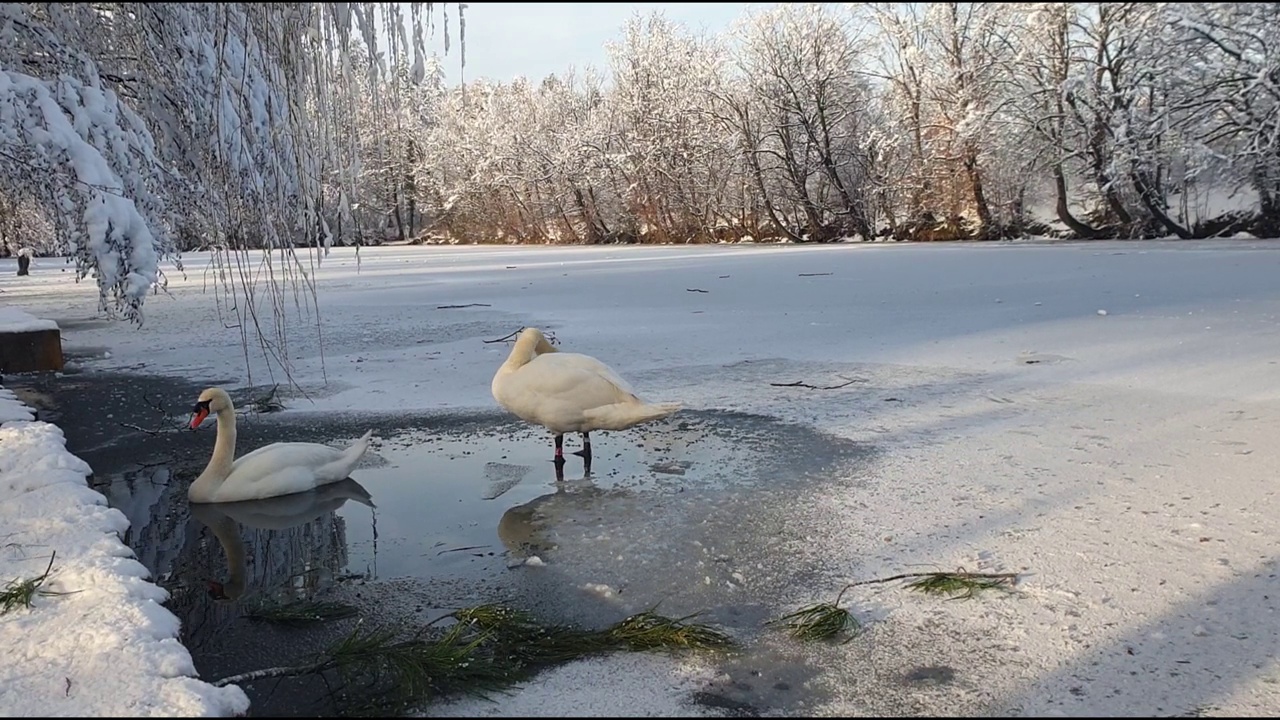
point(559, 459)
point(585, 452)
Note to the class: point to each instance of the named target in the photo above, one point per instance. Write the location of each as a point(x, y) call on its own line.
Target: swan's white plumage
point(568, 392)
point(286, 468)
point(270, 471)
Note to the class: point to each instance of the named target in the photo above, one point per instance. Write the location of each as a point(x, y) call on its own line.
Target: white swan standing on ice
point(270, 471)
point(568, 392)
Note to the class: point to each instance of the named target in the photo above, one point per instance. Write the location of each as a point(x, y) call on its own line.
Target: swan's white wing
point(586, 362)
point(562, 364)
point(281, 455)
point(271, 460)
point(283, 481)
point(557, 392)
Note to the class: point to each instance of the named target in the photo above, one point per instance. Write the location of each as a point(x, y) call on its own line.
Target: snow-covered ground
point(97, 640)
point(1099, 417)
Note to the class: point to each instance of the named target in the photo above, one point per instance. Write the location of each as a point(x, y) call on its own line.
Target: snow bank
point(107, 647)
point(12, 409)
point(13, 320)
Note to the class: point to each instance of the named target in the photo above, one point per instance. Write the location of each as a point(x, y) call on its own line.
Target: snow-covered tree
point(135, 126)
point(802, 122)
point(1040, 67)
point(809, 134)
point(1232, 113)
point(666, 148)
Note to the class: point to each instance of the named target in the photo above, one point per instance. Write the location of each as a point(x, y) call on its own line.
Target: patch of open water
point(694, 513)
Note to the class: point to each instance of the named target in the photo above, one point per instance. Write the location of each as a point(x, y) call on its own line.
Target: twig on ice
point(139, 428)
point(176, 423)
point(551, 337)
point(504, 338)
point(274, 672)
point(801, 383)
point(458, 549)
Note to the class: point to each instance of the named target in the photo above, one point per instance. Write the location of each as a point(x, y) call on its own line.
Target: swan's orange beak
point(198, 414)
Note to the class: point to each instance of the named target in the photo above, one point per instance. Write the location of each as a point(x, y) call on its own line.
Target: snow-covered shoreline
point(105, 645)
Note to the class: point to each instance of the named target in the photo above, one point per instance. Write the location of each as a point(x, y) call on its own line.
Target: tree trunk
point(1155, 205)
point(979, 195)
point(595, 211)
point(1064, 210)
point(595, 233)
point(1098, 160)
point(798, 184)
point(411, 186)
point(399, 221)
point(856, 214)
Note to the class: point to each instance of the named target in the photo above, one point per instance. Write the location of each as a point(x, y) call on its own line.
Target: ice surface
point(645, 685)
point(1126, 465)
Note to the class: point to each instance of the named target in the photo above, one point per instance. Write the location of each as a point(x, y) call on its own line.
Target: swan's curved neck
point(524, 350)
point(224, 454)
point(527, 348)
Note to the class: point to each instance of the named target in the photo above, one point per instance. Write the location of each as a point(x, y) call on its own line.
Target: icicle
point(419, 50)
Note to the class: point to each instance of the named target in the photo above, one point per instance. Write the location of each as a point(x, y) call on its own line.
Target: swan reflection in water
point(276, 513)
point(520, 527)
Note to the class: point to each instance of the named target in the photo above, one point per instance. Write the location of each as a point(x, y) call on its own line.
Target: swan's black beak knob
point(198, 413)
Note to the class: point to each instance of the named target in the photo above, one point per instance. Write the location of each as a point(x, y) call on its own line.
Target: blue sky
point(536, 39)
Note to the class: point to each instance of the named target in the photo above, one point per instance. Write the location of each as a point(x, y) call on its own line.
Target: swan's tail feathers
point(620, 416)
point(358, 448)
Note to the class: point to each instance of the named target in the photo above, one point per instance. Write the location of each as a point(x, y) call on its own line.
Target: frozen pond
point(853, 412)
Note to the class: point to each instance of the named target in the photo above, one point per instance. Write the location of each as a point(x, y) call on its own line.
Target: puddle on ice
point(694, 513)
point(485, 500)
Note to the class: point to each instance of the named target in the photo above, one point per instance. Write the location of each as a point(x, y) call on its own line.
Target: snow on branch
point(93, 158)
point(140, 128)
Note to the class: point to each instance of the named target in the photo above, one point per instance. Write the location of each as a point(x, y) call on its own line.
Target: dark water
point(693, 512)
